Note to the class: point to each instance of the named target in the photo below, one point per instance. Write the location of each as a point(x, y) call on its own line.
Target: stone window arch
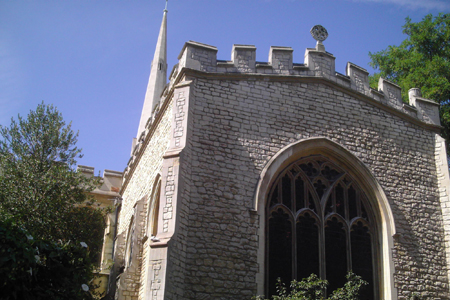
point(134, 237)
point(130, 244)
point(153, 209)
point(380, 223)
point(319, 221)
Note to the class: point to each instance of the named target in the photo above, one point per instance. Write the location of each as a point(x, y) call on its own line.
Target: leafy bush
point(35, 269)
point(313, 288)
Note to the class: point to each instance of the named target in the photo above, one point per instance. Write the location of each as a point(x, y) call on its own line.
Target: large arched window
point(319, 221)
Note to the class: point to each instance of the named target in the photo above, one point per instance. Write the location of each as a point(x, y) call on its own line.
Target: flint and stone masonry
point(216, 141)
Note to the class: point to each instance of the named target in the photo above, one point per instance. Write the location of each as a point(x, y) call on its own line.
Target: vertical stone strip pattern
point(444, 192)
point(179, 118)
point(156, 279)
point(169, 193)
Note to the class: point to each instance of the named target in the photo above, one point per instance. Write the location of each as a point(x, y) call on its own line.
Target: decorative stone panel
point(359, 78)
point(392, 93)
point(280, 58)
point(427, 110)
point(244, 58)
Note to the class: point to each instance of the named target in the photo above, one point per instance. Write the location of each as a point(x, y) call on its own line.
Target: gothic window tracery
point(319, 221)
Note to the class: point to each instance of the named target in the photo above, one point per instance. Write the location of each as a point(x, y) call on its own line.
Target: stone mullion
point(294, 246)
point(322, 256)
point(349, 245)
point(294, 226)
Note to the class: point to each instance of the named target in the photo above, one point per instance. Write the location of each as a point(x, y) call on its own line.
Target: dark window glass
point(353, 210)
point(307, 247)
point(311, 203)
point(274, 199)
point(287, 193)
point(362, 257)
point(340, 201)
point(336, 254)
point(329, 206)
point(299, 193)
point(280, 248)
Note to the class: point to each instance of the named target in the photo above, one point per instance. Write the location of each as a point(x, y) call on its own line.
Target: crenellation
point(320, 63)
point(317, 63)
point(427, 110)
point(198, 56)
point(281, 59)
point(359, 78)
point(244, 58)
point(392, 93)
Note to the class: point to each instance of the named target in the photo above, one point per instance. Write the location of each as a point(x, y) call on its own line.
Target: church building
point(244, 171)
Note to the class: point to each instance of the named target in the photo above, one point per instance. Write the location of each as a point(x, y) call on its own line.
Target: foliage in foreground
point(39, 186)
point(422, 61)
point(33, 269)
point(313, 288)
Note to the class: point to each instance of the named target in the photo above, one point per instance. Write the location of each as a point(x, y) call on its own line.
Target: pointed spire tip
point(165, 9)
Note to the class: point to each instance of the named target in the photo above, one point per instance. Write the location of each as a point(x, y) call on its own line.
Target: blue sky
point(91, 58)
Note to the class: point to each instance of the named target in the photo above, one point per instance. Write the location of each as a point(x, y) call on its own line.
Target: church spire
point(158, 75)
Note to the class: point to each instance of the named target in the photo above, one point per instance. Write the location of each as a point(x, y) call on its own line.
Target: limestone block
point(359, 78)
point(427, 110)
point(244, 58)
point(392, 93)
point(281, 59)
point(198, 56)
point(320, 63)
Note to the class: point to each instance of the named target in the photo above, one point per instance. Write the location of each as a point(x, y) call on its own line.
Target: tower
point(158, 75)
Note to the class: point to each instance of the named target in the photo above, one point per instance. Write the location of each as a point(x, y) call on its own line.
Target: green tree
point(33, 269)
point(422, 61)
point(39, 186)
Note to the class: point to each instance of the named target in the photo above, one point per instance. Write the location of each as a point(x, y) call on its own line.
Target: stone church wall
point(241, 124)
point(222, 124)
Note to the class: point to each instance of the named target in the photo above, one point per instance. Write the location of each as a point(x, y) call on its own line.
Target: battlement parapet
point(111, 181)
point(317, 63)
point(427, 110)
point(198, 56)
